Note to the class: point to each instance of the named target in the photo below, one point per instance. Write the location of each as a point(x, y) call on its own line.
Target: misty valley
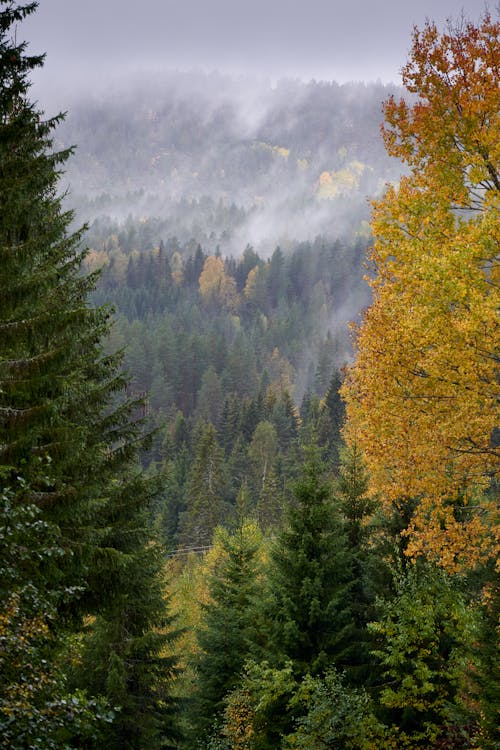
point(249, 396)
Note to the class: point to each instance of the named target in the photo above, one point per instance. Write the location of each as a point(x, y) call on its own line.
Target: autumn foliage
point(422, 396)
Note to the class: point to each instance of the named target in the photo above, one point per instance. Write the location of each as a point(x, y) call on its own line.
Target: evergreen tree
point(205, 498)
point(308, 576)
point(226, 636)
point(36, 707)
point(424, 631)
point(59, 393)
point(270, 503)
point(354, 655)
point(323, 374)
point(331, 419)
point(286, 419)
point(132, 661)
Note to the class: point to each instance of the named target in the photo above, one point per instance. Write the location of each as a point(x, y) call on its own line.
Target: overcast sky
point(339, 40)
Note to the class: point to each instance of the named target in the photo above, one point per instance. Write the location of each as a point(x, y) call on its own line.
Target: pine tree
point(60, 402)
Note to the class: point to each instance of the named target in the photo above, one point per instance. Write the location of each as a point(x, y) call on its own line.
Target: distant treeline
point(294, 160)
point(234, 354)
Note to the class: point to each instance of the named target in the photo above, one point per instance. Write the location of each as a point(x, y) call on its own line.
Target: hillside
point(234, 161)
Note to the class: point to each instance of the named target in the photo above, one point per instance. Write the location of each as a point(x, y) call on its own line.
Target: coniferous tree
point(331, 418)
point(270, 503)
point(308, 576)
point(303, 620)
point(356, 506)
point(59, 392)
point(205, 498)
point(227, 635)
point(424, 631)
point(36, 706)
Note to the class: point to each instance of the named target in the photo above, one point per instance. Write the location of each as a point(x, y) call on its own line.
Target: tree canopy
point(422, 396)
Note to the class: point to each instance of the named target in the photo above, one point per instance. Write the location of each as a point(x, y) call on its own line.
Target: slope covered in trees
point(237, 357)
point(214, 158)
point(307, 594)
point(422, 406)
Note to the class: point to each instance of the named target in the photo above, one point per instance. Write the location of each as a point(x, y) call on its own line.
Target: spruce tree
point(64, 425)
point(357, 508)
point(309, 576)
point(205, 499)
point(331, 418)
point(227, 634)
point(36, 708)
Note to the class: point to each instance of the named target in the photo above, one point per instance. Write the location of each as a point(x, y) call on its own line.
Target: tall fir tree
point(205, 499)
point(357, 507)
point(227, 635)
point(309, 574)
point(60, 402)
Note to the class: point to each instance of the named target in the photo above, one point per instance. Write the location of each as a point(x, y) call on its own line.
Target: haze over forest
point(249, 443)
point(293, 161)
point(286, 130)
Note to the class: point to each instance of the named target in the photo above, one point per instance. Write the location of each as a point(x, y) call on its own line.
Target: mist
point(228, 161)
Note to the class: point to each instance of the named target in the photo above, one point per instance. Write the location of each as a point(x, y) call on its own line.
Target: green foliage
point(425, 632)
point(257, 711)
point(37, 709)
point(308, 576)
point(86, 644)
point(205, 498)
point(228, 631)
point(356, 508)
point(333, 715)
point(69, 430)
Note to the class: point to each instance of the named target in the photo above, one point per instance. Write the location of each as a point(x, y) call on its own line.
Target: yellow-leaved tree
point(423, 394)
point(216, 285)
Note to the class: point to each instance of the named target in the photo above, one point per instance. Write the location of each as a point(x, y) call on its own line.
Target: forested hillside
point(229, 161)
point(223, 526)
point(245, 350)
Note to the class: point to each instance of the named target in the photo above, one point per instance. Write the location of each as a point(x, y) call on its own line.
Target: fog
point(228, 161)
point(360, 40)
point(251, 104)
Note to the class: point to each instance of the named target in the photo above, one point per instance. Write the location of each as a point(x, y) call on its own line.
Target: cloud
point(325, 39)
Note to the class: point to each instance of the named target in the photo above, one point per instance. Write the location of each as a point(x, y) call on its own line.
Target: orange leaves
point(451, 131)
point(422, 396)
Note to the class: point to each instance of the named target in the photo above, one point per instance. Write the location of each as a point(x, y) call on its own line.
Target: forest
point(249, 477)
point(227, 162)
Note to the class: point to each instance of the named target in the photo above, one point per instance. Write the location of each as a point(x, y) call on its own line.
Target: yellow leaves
point(188, 588)
point(325, 179)
point(216, 286)
point(283, 152)
point(251, 283)
point(333, 184)
point(280, 151)
point(422, 396)
point(280, 372)
point(457, 116)
point(177, 266)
